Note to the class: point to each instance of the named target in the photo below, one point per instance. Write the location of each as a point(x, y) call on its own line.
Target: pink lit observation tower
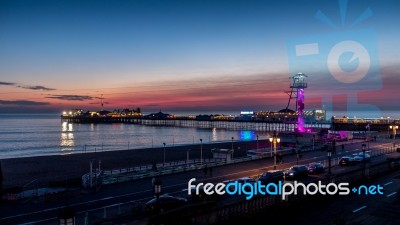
point(297, 93)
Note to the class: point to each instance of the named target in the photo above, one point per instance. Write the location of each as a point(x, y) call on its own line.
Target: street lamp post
point(201, 150)
point(369, 134)
point(257, 144)
point(232, 146)
point(363, 146)
point(164, 157)
point(394, 129)
point(270, 140)
point(313, 142)
point(329, 159)
point(187, 158)
point(274, 139)
point(334, 146)
point(157, 191)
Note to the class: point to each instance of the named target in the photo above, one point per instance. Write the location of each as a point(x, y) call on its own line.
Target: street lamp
point(363, 146)
point(157, 190)
point(67, 216)
point(164, 156)
point(313, 142)
point(274, 139)
point(232, 146)
point(329, 159)
point(201, 150)
point(394, 129)
point(257, 144)
point(270, 140)
point(368, 136)
point(187, 158)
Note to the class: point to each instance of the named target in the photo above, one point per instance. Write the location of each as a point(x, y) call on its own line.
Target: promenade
point(120, 198)
point(56, 170)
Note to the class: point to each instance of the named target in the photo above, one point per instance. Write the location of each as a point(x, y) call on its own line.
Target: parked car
point(271, 176)
point(166, 202)
point(296, 172)
point(360, 157)
point(347, 161)
point(315, 168)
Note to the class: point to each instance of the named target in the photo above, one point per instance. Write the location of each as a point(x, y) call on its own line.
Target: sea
point(26, 135)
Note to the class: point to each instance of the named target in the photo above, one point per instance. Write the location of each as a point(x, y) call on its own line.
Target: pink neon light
point(300, 110)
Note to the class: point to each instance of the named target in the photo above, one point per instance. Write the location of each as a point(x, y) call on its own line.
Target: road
point(120, 198)
point(351, 209)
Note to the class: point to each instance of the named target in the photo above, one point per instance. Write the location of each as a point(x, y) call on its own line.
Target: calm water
point(23, 135)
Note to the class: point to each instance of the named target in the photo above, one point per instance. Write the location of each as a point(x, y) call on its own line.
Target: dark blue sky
point(111, 46)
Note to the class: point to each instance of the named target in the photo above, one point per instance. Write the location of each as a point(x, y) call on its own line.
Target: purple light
point(300, 109)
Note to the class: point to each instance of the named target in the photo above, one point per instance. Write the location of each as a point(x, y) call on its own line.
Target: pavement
point(118, 199)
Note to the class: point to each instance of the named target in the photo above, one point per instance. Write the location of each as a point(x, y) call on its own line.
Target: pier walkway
point(262, 125)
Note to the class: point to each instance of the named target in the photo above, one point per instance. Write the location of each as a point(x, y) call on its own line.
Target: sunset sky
point(181, 55)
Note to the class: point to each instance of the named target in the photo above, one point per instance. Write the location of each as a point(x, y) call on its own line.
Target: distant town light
point(246, 113)
point(64, 113)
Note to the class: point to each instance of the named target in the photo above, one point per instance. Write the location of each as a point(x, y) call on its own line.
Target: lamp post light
point(274, 139)
point(164, 157)
point(270, 140)
point(363, 146)
point(394, 129)
point(201, 151)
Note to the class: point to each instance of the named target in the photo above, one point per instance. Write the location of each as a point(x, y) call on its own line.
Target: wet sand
point(64, 170)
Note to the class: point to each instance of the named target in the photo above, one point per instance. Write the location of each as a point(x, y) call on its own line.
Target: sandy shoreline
point(18, 172)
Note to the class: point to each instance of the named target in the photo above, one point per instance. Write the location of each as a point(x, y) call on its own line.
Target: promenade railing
point(159, 169)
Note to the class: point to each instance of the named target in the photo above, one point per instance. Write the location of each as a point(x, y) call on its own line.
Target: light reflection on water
point(67, 141)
